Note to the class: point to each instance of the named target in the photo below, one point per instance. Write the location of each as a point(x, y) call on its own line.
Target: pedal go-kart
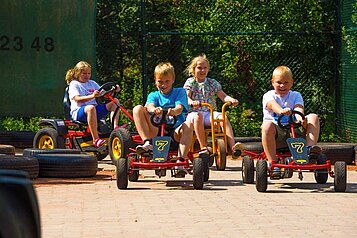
point(70, 134)
point(218, 136)
point(295, 158)
point(162, 158)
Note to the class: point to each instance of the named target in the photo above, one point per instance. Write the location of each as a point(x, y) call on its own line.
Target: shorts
point(283, 134)
point(206, 117)
point(101, 112)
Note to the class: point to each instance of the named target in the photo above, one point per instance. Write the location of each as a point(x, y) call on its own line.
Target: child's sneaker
point(314, 150)
point(206, 150)
point(180, 172)
point(98, 142)
point(237, 150)
point(146, 147)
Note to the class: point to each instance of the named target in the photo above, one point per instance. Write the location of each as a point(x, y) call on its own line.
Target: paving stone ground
point(170, 207)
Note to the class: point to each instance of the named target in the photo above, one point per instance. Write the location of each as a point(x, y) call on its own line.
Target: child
point(175, 100)
point(82, 93)
point(280, 101)
point(200, 88)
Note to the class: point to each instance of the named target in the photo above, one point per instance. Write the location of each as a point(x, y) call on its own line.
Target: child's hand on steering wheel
point(195, 104)
point(116, 88)
point(286, 111)
point(96, 94)
point(157, 110)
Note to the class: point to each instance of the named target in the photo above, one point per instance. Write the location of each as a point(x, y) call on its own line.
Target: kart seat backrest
point(67, 104)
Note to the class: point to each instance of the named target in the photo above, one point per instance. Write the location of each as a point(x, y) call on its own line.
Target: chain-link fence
point(244, 41)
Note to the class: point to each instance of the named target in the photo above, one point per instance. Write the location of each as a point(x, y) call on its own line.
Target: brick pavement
point(169, 207)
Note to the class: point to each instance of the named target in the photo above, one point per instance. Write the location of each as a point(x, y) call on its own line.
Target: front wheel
point(122, 173)
point(340, 176)
point(321, 175)
point(261, 176)
point(221, 155)
point(198, 171)
point(120, 142)
point(48, 138)
point(247, 170)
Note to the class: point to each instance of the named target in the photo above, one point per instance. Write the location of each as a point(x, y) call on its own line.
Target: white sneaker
point(146, 147)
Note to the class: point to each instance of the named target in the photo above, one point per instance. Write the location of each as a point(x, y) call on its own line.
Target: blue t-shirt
point(175, 97)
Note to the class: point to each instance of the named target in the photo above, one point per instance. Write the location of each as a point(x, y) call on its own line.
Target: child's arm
point(79, 98)
point(175, 111)
point(226, 98)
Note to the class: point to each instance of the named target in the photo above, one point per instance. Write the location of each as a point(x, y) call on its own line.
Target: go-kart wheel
point(247, 170)
point(120, 142)
point(198, 170)
point(122, 173)
point(134, 174)
point(205, 159)
point(340, 176)
point(261, 183)
point(221, 155)
point(321, 175)
point(48, 138)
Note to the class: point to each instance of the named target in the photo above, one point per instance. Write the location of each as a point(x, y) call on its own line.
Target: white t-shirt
point(77, 88)
point(289, 100)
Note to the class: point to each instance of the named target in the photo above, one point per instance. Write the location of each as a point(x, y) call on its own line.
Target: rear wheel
point(205, 159)
point(262, 177)
point(321, 175)
point(48, 138)
point(198, 173)
point(221, 155)
point(122, 173)
point(247, 170)
point(340, 176)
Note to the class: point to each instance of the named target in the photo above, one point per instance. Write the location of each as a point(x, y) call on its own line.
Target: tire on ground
point(32, 152)
point(67, 165)
point(338, 151)
point(7, 149)
point(255, 147)
point(23, 163)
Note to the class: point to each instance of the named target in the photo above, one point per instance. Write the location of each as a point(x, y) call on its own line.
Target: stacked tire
point(56, 163)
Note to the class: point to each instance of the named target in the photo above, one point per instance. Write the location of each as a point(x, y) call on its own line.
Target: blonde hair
point(163, 69)
point(73, 74)
point(190, 70)
point(282, 70)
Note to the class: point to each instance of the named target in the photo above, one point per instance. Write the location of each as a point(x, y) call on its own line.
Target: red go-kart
point(162, 158)
point(295, 158)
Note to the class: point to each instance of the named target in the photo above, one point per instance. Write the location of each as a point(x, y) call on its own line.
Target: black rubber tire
point(247, 170)
point(338, 151)
point(23, 163)
point(221, 157)
point(255, 147)
point(247, 139)
point(67, 165)
point(261, 183)
point(198, 173)
point(48, 138)
point(205, 159)
point(7, 150)
point(101, 156)
point(120, 142)
point(32, 152)
point(211, 160)
point(134, 175)
point(321, 175)
point(340, 181)
point(122, 173)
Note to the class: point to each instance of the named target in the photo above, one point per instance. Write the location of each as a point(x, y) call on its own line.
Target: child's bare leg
point(92, 120)
point(142, 122)
point(198, 124)
point(268, 140)
point(184, 134)
point(230, 136)
point(313, 129)
point(112, 107)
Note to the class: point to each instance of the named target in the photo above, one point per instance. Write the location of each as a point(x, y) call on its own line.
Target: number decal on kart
point(298, 150)
point(298, 146)
point(161, 144)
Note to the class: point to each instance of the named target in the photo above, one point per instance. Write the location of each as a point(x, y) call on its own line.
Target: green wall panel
point(39, 41)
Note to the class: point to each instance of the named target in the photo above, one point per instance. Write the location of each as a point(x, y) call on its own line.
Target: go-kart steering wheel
point(291, 120)
point(106, 89)
point(159, 120)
